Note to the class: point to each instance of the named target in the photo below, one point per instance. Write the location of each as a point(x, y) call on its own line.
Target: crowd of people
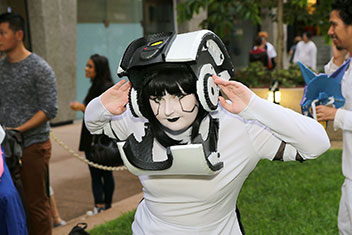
point(303, 50)
point(165, 115)
point(28, 102)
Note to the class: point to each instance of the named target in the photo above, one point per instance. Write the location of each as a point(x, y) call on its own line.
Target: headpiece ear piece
point(208, 92)
point(133, 101)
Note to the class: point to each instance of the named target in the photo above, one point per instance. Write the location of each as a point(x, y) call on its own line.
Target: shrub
point(257, 75)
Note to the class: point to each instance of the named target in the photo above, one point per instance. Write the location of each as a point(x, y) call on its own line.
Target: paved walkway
point(70, 180)
point(116, 210)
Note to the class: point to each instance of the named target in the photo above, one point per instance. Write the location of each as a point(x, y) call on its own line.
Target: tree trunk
point(280, 36)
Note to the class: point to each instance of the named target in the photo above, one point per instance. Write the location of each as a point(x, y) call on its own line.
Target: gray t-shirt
point(25, 88)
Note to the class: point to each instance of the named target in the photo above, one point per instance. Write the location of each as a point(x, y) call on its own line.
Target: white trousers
point(345, 210)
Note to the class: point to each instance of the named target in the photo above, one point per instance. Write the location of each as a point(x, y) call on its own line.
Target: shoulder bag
point(104, 150)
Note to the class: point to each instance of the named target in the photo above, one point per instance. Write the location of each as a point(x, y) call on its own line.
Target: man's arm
point(38, 119)
point(342, 118)
point(295, 56)
point(325, 113)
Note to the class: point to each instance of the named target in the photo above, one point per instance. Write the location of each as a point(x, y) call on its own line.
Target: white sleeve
point(314, 56)
point(271, 50)
point(302, 135)
point(343, 117)
point(343, 120)
point(96, 116)
point(2, 134)
point(330, 67)
point(296, 55)
point(268, 145)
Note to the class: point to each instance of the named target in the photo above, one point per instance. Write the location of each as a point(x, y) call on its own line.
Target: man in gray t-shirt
point(28, 99)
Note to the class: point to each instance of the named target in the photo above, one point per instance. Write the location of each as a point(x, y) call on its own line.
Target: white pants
point(345, 210)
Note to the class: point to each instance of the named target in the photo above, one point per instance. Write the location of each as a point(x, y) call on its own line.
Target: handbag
point(13, 148)
point(104, 150)
point(79, 229)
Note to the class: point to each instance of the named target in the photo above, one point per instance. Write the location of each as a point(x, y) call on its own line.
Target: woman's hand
point(77, 106)
point(116, 97)
point(238, 93)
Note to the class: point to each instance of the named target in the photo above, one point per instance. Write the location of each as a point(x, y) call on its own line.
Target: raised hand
point(338, 54)
point(116, 97)
point(238, 93)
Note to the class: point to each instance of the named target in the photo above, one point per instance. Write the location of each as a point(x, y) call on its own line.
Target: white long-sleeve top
point(271, 50)
point(206, 204)
point(306, 53)
point(343, 117)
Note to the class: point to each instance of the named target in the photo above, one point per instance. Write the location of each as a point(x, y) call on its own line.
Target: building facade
point(67, 33)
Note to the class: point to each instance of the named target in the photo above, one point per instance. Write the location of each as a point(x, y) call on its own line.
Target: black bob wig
point(167, 77)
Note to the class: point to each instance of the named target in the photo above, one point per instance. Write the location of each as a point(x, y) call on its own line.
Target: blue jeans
point(103, 184)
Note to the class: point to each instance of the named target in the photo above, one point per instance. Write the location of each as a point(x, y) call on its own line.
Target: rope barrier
point(83, 159)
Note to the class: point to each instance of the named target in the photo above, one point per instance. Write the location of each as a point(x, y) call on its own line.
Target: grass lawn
point(280, 198)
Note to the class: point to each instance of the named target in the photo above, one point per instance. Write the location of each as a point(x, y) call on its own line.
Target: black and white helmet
point(202, 51)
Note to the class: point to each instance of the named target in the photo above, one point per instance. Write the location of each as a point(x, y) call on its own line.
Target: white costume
point(343, 121)
point(186, 204)
point(306, 53)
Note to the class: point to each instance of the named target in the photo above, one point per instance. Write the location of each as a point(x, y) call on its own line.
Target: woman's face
point(90, 69)
point(175, 112)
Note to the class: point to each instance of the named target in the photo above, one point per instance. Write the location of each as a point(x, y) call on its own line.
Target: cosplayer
point(12, 214)
point(192, 155)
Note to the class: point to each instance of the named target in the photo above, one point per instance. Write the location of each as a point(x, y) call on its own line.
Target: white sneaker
point(95, 211)
point(61, 223)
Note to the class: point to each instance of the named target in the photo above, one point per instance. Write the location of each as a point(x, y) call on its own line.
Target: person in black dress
point(98, 71)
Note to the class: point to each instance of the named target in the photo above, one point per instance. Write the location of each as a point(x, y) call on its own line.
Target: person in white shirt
point(191, 148)
point(306, 51)
point(341, 33)
point(269, 48)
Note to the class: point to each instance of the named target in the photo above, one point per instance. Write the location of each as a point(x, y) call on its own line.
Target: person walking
point(103, 185)
point(293, 47)
point(28, 100)
point(269, 48)
point(306, 51)
point(340, 32)
point(259, 53)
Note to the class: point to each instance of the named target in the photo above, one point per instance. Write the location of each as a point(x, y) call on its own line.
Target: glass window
point(113, 11)
point(19, 7)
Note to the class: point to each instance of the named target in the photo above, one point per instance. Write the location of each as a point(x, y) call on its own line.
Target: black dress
point(86, 137)
point(259, 55)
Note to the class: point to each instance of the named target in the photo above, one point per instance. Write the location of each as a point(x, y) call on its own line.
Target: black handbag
point(13, 148)
point(104, 150)
point(79, 229)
